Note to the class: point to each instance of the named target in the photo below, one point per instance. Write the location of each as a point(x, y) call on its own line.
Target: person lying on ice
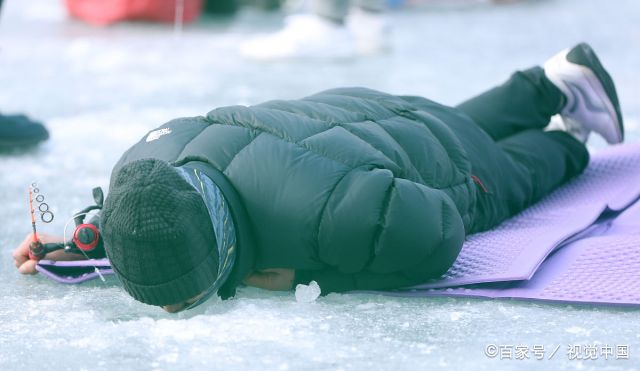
point(353, 188)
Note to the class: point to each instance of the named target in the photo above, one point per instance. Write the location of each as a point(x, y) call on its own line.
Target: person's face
point(175, 308)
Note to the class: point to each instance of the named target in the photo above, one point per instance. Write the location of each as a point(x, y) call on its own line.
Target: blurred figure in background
point(18, 131)
point(332, 29)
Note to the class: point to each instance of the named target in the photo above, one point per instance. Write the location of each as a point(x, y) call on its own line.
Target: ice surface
point(100, 89)
point(307, 293)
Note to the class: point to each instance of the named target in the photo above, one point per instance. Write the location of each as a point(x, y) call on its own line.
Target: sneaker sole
point(594, 84)
point(582, 54)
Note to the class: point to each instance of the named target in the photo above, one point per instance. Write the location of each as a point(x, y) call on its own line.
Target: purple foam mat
point(74, 271)
point(601, 268)
point(517, 247)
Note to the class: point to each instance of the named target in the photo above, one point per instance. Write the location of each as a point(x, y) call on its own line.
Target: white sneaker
point(371, 31)
point(304, 36)
point(591, 99)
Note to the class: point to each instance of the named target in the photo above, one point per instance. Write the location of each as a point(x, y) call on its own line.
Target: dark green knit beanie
point(158, 234)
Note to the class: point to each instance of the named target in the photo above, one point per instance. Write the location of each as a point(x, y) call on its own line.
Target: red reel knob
point(86, 237)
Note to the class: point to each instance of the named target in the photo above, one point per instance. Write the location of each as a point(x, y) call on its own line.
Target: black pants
point(526, 162)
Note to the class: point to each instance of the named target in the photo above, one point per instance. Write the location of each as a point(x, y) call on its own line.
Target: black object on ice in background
point(20, 131)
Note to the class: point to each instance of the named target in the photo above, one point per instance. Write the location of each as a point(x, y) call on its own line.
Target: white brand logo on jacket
point(156, 134)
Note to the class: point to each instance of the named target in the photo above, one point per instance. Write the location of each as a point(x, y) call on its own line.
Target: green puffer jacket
point(353, 188)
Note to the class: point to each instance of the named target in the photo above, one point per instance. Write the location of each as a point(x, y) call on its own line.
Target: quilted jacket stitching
point(326, 203)
point(334, 123)
point(329, 120)
point(402, 112)
point(296, 143)
point(381, 222)
point(241, 149)
point(410, 115)
point(409, 157)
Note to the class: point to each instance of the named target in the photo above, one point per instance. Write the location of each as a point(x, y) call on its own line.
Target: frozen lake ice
point(100, 89)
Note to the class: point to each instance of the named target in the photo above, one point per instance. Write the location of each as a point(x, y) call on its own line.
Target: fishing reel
point(86, 239)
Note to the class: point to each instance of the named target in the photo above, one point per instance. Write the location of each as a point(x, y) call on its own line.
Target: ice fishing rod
point(85, 238)
point(36, 249)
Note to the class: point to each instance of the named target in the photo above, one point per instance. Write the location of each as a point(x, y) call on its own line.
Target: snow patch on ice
point(577, 330)
point(307, 293)
point(455, 316)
